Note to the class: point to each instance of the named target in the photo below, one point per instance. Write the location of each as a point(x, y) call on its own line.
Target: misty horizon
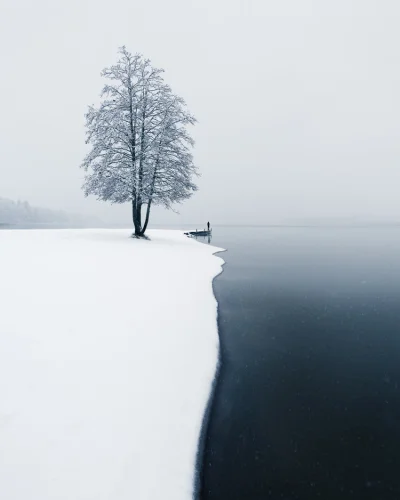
point(20, 213)
point(297, 103)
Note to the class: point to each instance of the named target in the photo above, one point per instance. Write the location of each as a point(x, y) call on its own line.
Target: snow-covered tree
point(140, 148)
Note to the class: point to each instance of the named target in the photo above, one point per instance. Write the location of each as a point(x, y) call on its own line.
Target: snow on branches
point(140, 147)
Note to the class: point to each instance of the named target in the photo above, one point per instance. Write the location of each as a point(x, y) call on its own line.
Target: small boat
point(199, 233)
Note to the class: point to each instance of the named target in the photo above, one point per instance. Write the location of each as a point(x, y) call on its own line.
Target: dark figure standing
point(208, 226)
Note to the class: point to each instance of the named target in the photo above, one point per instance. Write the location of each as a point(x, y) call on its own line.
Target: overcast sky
point(297, 101)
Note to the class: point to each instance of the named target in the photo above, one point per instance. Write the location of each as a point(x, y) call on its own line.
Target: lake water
point(307, 404)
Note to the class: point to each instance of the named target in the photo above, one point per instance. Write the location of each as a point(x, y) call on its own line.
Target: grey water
point(307, 403)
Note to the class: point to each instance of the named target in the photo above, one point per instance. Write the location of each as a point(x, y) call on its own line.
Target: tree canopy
point(140, 147)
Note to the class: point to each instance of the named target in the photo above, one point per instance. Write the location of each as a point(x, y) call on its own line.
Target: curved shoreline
point(113, 396)
point(200, 454)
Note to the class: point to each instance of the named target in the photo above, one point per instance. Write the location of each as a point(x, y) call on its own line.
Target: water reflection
point(203, 239)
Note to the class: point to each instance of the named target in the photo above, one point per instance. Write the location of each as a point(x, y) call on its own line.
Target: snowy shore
point(108, 348)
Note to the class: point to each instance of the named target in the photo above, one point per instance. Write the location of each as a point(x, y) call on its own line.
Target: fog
point(297, 102)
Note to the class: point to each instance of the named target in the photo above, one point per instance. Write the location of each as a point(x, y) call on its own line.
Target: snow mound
point(108, 349)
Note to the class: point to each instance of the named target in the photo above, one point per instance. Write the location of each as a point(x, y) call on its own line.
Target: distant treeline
point(21, 212)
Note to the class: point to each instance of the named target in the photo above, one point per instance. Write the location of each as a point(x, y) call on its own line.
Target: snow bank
point(108, 347)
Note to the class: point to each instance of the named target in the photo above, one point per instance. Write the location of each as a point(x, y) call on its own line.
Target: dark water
point(307, 405)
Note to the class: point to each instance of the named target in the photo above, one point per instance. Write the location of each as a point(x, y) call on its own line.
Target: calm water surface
point(307, 404)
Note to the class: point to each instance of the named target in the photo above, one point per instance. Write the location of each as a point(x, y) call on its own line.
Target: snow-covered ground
point(108, 348)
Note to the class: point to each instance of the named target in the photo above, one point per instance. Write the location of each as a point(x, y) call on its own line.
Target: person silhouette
point(208, 226)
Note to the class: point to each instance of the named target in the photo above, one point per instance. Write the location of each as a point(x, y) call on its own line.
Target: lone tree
point(141, 150)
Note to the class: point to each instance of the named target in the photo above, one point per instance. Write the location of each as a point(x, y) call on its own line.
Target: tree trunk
point(139, 214)
point(153, 183)
point(132, 119)
point(136, 218)
point(147, 218)
point(141, 163)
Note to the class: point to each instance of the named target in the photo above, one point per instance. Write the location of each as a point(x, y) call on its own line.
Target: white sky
point(298, 101)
